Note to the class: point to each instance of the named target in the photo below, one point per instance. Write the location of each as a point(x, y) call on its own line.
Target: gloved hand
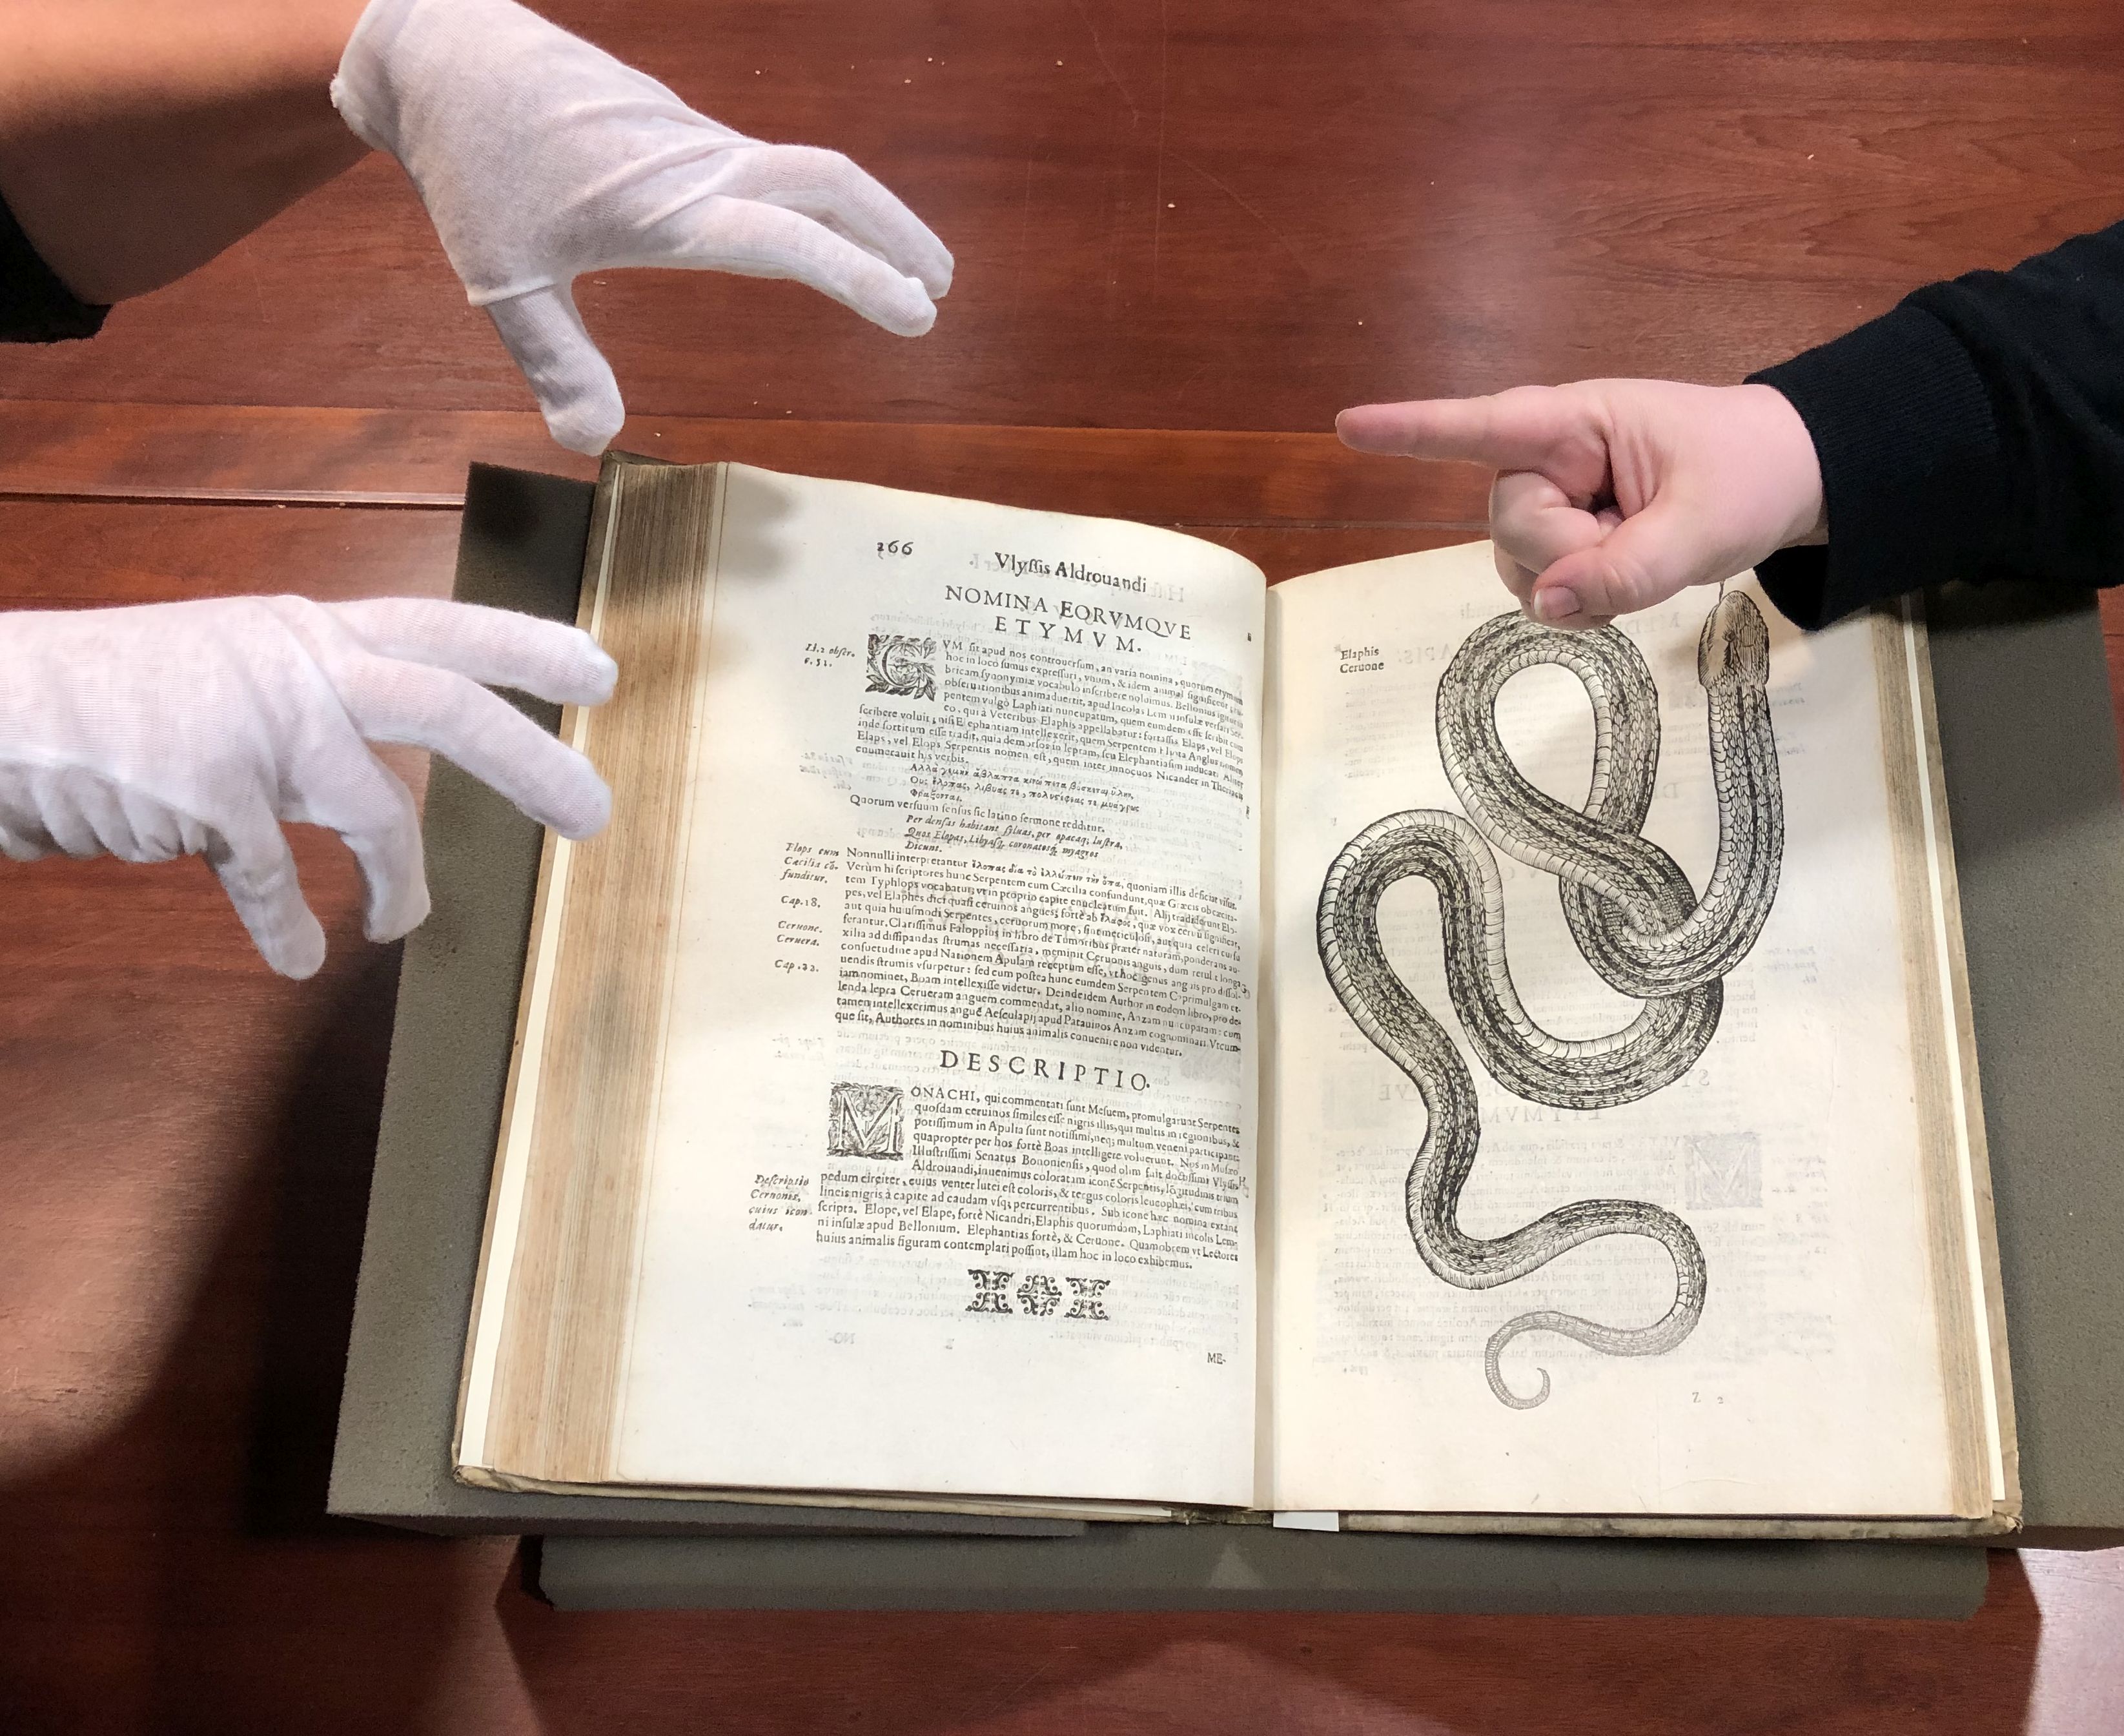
point(540, 158)
point(1613, 494)
point(196, 729)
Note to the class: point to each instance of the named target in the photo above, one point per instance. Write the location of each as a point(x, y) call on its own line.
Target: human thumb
point(572, 380)
point(1643, 560)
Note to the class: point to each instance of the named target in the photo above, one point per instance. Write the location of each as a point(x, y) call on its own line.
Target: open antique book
point(1057, 1026)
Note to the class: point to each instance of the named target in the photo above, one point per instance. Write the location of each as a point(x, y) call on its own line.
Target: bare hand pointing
point(1613, 494)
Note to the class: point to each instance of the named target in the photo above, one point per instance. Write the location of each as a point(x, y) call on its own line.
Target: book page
point(1699, 1252)
point(951, 1170)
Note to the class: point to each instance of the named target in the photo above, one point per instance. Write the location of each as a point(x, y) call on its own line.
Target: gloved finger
point(85, 814)
point(1644, 560)
point(339, 784)
point(1535, 521)
point(750, 239)
point(390, 700)
point(154, 831)
point(566, 372)
point(1524, 429)
point(828, 188)
point(496, 647)
point(24, 836)
point(80, 812)
point(249, 855)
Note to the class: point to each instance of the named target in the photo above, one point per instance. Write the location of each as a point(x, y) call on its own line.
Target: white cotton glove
point(196, 729)
point(540, 158)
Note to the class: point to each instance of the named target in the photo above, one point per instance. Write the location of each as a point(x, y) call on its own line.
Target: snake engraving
point(1632, 913)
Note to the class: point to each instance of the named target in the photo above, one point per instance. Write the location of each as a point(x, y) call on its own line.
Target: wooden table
point(1224, 219)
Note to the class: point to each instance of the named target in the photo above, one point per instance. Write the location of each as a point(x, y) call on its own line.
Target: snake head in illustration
point(1633, 913)
point(1734, 647)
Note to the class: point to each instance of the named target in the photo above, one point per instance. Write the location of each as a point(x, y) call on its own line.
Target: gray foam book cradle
point(2029, 745)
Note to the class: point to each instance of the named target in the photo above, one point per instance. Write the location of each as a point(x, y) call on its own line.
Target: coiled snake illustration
point(1632, 912)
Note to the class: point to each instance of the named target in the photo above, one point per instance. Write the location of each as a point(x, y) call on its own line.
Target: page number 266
point(896, 547)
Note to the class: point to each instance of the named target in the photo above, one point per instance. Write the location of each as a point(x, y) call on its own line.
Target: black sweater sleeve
point(1975, 431)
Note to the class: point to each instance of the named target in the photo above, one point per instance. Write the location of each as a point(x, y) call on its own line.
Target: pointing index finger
point(1518, 429)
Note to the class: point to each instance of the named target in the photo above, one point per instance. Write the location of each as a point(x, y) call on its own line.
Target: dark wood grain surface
point(1238, 213)
point(1188, 233)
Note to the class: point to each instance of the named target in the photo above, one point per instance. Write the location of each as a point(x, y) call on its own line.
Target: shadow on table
point(180, 1573)
point(770, 1672)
